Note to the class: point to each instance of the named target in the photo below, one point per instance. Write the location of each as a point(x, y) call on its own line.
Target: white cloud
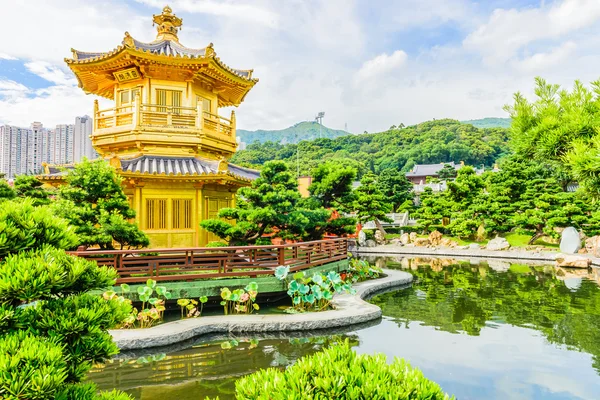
point(238, 10)
point(382, 64)
point(12, 86)
point(50, 73)
point(540, 61)
point(508, 31)
point(6, 57)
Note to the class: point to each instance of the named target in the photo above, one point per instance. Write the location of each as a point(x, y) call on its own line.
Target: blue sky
point(367, 63)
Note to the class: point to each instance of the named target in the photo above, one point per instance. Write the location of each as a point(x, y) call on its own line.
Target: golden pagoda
point(164, 134)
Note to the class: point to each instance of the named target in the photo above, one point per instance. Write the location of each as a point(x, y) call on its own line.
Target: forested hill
point(307, 130)
point(429, 142)
point(489, 122)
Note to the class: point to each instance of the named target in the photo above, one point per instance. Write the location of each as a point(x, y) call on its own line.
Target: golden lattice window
point(156, 213)
point(182, 213)
point(171, 98)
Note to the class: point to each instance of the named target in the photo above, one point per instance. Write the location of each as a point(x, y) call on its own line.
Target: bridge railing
point(184, 264)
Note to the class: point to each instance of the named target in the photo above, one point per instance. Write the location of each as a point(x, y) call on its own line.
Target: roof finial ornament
point(168, 25)
point(128, 40)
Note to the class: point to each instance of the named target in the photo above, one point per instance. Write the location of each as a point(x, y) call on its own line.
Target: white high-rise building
point(82, 141)
point(21, 149)
point(63, 144)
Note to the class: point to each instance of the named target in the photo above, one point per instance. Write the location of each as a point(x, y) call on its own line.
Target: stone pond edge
point(349, 310)
point(523, 255)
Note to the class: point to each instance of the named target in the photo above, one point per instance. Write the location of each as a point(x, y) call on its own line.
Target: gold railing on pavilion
point(154, 115)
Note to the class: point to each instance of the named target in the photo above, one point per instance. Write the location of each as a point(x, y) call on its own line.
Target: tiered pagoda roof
point(95, 70)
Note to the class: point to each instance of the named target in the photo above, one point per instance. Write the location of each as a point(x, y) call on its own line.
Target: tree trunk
point(379, 227)
point(535, 237)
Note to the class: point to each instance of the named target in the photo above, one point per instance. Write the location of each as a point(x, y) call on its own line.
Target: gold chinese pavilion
point(164, 134)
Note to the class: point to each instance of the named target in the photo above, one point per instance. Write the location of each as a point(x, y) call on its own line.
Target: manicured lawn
point(520, 240)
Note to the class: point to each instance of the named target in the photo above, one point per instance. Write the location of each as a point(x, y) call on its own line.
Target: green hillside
point(489, 122)
point(307, 130)
point(436, 141)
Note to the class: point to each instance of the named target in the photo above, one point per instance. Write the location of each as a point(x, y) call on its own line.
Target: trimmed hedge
point(339, 373)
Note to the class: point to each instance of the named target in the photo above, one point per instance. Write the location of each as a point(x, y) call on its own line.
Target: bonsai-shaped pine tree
point(93, 201)
point(51, 329)
point(272, 205)
point(29, 186)
point(331, 185)
point(371, 204)
point(447, 172)
point(395, 187)
point(6, 192)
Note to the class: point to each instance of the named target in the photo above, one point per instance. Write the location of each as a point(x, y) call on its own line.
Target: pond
point(481, 330)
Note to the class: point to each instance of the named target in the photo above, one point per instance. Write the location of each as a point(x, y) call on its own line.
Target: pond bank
point(516, 254)
point(349, 310)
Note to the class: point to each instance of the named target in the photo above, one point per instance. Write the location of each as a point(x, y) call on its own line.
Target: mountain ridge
point(305, 130)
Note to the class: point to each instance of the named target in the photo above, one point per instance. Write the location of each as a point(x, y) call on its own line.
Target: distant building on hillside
point(303, 183)
point(420, 172)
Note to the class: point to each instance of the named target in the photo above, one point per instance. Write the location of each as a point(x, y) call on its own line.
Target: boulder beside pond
point(572, 261)
point(421, 242)
point(498, 244)
point(435, 238)
point(362, 238)
point(570, 242)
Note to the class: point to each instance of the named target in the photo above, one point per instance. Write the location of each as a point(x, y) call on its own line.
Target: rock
point(412, 236)
point(464, 247)
point(370, 243)
point(592, 244)
point(396, 242)
point(435, 238)
point(473, 246)
point(572, 261)
point(379, 238)
point(570, 242)
point(497, 244)
point(362, 238)
point(499, 266)
point(405, 238)
point(445, 242)
point(421, 242)
point(481, 233)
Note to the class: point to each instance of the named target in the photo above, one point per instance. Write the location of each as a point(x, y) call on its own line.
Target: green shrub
point(24, 227)
point(361, 270)
point(216, 244)
point(339, 373)
point(51, 330)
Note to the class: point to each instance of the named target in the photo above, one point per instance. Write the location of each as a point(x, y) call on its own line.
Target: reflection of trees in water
point(463, 298)
point(206, 369)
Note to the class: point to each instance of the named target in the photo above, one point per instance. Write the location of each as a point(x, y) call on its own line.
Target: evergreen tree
point(395, 186)
point(371, 204)
point(29, 186)
point(94, 203)
point(6, 192)
point(332, 185)
point(447, 172)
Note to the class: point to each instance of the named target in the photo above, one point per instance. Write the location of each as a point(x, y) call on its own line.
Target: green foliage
point(6, 191)
point(361, 270)
point(24, 227)
point(240, 301)
point(31, 187)
point(153, 298)
point(51, 330)
point(312, 293)
point(192, 308)
point(561, 128)
point(94, 202)
point(447, 172)
point(332, 185)
point(271, 205)
point(430, 142)
point(371, 204)
point(522, 195)
point(395, 187)
point(339, 373)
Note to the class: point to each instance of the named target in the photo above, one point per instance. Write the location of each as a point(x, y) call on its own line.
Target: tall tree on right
point(371, 204)
point(395, 186)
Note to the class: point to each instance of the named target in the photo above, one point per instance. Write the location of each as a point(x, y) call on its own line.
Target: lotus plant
point(312, 293)
point(146, 316)
point(240, 301)
point(191, 306)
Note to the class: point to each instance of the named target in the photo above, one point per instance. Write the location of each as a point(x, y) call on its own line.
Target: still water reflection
point(482, 331)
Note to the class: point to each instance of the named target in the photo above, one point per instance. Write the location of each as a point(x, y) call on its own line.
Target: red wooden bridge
point(186, 264)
